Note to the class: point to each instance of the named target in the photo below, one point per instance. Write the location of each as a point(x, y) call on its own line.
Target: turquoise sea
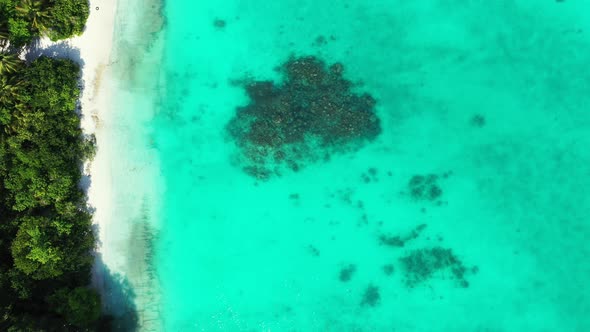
point(468, 212)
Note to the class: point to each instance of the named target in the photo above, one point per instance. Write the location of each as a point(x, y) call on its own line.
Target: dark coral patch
point(425, 187)
point(399, 240)
point(347, 272)
point(310, 115)
point(478, 120)
point(219, 23)
point(421, 265)
point(371, 296)
point(320, 41)
point(388, 269)
point(392, 241)
point(313, 251)
point(370, 175)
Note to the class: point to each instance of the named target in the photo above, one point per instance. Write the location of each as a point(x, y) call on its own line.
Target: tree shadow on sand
point(118, 299)
point(62, 49)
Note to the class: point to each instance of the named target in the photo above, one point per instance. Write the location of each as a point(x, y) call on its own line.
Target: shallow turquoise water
point(236, 254)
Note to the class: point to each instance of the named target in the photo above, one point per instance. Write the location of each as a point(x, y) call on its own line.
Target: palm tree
point(9, 62)
point(34, 12)
point(9, 89)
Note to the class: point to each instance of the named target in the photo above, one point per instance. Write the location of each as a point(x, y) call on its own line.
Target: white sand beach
point(95, 47)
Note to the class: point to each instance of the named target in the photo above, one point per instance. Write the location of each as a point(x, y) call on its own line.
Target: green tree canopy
point(23, 20)
point(80, 306)
point(34, 249)
point(35, 12)
point(46, 238)
point(44, 123)
point(68, 18)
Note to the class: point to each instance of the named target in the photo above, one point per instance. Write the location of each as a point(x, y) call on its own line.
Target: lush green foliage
point(8, 63)
point(46, 238)
point(22, 20)
point(68, 18)
point(80, 306)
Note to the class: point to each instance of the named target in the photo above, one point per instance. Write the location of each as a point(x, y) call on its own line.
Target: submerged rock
point(312, 114)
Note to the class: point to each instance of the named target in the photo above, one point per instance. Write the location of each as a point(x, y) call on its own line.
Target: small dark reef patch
point(370, 175)
point(424, 187)
point(313, 250)
point(421, 265)
point(219, 23)
point(388, 269)
point(310, 115)
point(347, 272)
point(478, 120)
point(320, 41)
point(371, 297)
point(400, 241)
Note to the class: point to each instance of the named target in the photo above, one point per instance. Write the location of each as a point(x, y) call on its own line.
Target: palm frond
point(9, 63)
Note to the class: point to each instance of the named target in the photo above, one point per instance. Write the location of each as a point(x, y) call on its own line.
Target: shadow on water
point(118, 299)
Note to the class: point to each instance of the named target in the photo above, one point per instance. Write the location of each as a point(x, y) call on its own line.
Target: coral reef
point(478, 120)
point(424, 187)
point(370, 175)
point(313, 250)
point(420, 265)
point(388, 269)
point(371, 296)
point(347, 272)
point(312, 114)
point(219, 23)
point(400, 241)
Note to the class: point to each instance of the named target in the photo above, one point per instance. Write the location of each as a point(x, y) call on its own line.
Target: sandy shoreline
point(95, 47)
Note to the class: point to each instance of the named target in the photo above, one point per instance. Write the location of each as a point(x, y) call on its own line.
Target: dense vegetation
point(46, 239)
point(23, 20)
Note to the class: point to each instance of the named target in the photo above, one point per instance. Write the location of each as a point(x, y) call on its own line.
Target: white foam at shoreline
point(128, 215)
